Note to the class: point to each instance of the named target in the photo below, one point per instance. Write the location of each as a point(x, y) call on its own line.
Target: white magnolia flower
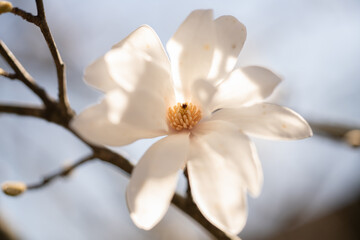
point(204, 106)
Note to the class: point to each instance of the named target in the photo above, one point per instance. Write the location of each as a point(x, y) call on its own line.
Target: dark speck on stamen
point(184, 105)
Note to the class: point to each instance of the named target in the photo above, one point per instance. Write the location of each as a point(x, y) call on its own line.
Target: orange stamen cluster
point(183, 116)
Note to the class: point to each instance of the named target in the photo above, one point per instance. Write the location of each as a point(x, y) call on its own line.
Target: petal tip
point(136, 219)
point(142, 225)
point(256, 191)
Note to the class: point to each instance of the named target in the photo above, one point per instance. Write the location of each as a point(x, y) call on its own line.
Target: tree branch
point(65, 171)
point(23, 111)
point(22, 74)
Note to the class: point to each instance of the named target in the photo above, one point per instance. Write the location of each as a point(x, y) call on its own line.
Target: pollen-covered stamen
point(183, 116)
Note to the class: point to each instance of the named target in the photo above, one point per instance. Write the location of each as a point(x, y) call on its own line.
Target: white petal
point(134, 69)
point(122, 118)
point(245, 86)
point(142, 41)
point(266, 121)
point(153, 181)
point(97, 75)
point(232, 145)
point(230, 38)
point(146, 40)
point(221, 165)
point(202, 93)
point(191, 49)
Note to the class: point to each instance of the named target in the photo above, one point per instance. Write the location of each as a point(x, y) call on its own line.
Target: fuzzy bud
point(5, 7)
point(353, 138)
point(13, 188)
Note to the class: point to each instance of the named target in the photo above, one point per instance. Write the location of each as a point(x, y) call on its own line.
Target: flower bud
point(13, 188)
point(352, 137)
point(5, 6)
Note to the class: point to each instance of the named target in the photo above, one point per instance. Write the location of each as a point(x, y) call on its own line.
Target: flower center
point(183, 116)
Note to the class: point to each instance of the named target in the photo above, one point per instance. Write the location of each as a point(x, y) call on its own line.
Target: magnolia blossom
point(204, 105)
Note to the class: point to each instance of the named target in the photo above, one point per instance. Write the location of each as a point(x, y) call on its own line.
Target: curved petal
point(97, 75)
point(134, 69)
point(146, 40)
point(266, 120)
point(245, 86)
point(122, 118)
point(221, 165)
point(233, 146)
point(230, 38)
point(191, 49)
point(145, 45)
point(153, 181)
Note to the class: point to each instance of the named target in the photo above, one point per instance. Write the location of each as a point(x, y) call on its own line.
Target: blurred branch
point(23, 111)
point(22, 74)
point(188, 206)
point(5, 232)
point(348, 134)
point(343, 223)
point(65, 171)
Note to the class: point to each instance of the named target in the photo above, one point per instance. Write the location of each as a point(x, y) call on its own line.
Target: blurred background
point(311, 187)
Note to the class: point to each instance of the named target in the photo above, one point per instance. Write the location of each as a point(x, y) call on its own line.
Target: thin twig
point(59, 64)
point(338, 132)
point(335, 131)
point(11, 76)
point(22, 74)
point(26, 16)
point(40, 21)
point(62, 173)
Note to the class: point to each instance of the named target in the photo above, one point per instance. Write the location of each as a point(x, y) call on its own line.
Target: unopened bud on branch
point(13, 188)
point(5, 6)
point(352, 137)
